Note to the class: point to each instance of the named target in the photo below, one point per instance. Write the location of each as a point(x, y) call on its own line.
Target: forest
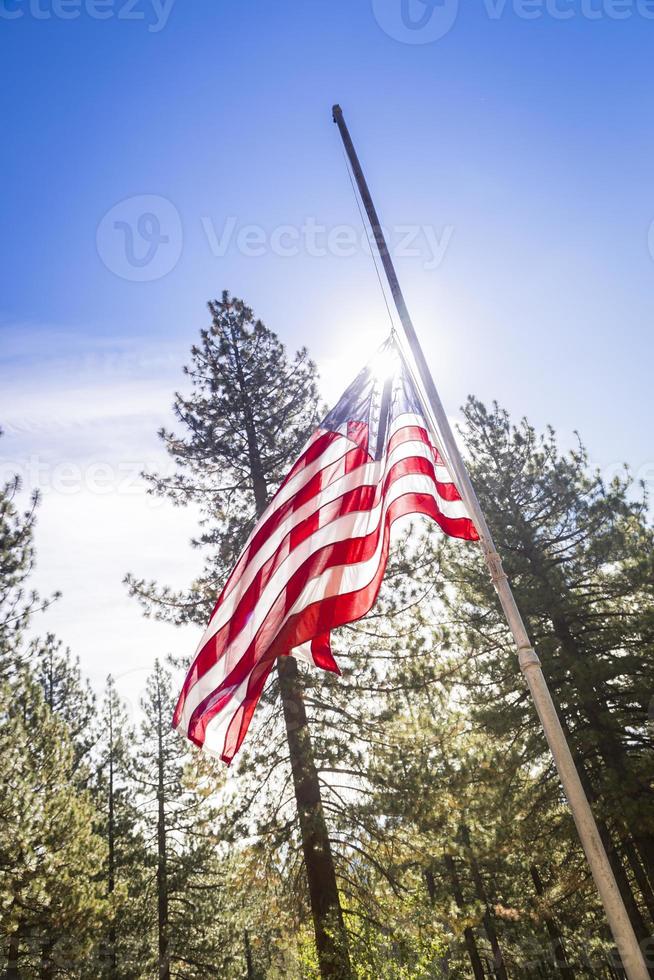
point(425, 776)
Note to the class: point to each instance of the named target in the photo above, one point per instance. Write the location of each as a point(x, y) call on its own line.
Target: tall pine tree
point(250, 410)
point(183, 865)
point(579, 554)
point(123, 945)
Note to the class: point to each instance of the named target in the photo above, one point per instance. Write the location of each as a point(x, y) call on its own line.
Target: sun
point(384, 365)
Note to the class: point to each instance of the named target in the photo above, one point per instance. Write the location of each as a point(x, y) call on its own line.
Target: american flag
point(316, 558)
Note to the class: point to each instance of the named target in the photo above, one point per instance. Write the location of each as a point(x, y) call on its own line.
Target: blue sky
point(509, 146)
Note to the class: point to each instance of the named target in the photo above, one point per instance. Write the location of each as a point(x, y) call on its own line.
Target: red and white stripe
point(314, 561)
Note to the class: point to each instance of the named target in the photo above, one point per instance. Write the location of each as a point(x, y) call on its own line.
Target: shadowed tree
point(579, 553)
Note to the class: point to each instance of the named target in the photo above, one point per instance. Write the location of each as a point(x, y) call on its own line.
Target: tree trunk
point(469, 936)
point(162, 870)
point(489, 923)
point(257, 475)
point(329, 928)
point(331, 938)
point(111, 857)
point(624, 887)
point(430, 882)
point(13, 952)
point(640, 875)
point(46, 968)
point(609, 747)
point(558, 949)
point(248, 956)
point(622, 881)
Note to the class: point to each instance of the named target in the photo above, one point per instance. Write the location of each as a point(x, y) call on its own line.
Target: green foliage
point(50, 851)
point(17, 604)
point(68, 695)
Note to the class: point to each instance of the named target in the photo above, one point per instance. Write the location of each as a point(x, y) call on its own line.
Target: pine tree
point(17, 604)
point(160, 771)
point(124, 872)
point(579, 554)
point(68, 695)
point(49, 849)
point(182, 862)
point(250, 411)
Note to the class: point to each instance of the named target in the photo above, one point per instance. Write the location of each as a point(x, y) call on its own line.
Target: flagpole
point(623, 934)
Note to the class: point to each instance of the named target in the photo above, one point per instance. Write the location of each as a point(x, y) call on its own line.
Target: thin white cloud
point(80, 421)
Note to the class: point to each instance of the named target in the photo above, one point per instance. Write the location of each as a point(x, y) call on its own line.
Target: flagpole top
point(337, 112)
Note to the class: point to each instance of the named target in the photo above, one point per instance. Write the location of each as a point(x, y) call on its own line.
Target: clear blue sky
point(522, 139)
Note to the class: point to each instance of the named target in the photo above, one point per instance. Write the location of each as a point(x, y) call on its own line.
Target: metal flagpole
point(623, 934)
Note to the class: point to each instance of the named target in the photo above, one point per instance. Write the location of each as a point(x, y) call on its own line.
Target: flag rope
point(372, 251)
